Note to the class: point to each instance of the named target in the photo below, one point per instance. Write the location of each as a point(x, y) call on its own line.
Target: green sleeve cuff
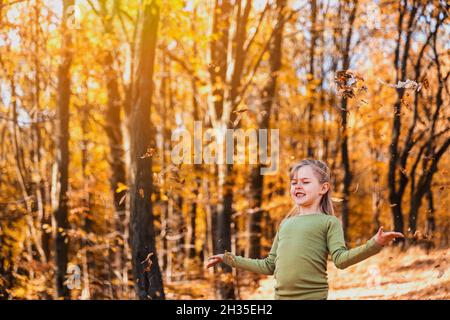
point(375, 245)
point(229, 259)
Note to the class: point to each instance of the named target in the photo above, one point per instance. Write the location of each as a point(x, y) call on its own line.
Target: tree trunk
point(268, 97)
point(311, 79)
point(430, 225)
point(118, 172)
point(344, 134)
point(400, 63)
point(221, 219)
point(62, 239)
point(147, 275)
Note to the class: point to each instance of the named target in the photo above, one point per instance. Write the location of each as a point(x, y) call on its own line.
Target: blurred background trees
point(91, 204)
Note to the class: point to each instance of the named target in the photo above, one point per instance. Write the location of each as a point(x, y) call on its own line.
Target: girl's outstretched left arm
point(343, 257)
point(263, 266)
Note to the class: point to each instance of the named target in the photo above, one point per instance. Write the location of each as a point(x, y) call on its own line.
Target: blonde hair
point(322, 172)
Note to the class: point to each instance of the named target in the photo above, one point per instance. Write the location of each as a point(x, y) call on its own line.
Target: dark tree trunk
point(311, 79)
point(344, 134)
point(222, 218)
point(197, 176)
point(147, 275)
point(424, 185)
point(62, 239)
point(117, 164)
point(88, 266)
point(396, 191)
point(255, 213)
point(222, 234)
point(346, 166)
point(268, 97)
point(192, 254)
point(430, 225)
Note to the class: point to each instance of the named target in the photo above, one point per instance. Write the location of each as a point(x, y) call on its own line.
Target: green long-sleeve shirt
point(299, 253)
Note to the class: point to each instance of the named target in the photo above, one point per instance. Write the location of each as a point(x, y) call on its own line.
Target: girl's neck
point(308, 210)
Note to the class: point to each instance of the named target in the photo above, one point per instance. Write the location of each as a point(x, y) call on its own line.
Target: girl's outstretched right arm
point(263, 266)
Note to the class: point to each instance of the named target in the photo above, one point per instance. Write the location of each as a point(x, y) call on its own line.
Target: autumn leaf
point(347, 82)
point(121, 187)
point(150, 152)
point(148, 262)
point(241, 110)
point(408, 85)
point(123, 199)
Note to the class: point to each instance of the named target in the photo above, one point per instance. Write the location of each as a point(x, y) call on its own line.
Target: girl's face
point(306, 190)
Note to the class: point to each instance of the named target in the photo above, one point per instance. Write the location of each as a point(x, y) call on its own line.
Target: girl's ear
point(324, 188)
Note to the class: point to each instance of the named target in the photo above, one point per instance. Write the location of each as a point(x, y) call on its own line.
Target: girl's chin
point(300, 202)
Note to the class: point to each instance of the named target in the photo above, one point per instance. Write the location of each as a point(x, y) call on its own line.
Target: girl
point(310, 231)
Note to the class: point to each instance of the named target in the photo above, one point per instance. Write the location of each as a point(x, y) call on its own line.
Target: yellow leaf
point(121, 187)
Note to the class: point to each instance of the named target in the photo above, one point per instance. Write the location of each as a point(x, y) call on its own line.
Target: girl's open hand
point(385, 238)
point(213, 260)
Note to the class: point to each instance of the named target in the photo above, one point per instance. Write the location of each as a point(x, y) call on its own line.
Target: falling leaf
point(121, 187)
point(216, 98)
point(241, 110)
point(141, 192)
point(347, 81)
point(148, 262)
point(123, 199)
point(393, 205)
point(150, 152)
point(337, 199)
point(408, 85)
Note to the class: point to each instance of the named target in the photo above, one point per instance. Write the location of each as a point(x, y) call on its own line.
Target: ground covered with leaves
point(392, 274)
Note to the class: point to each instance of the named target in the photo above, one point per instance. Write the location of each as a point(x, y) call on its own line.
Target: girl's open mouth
point(300, 194)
